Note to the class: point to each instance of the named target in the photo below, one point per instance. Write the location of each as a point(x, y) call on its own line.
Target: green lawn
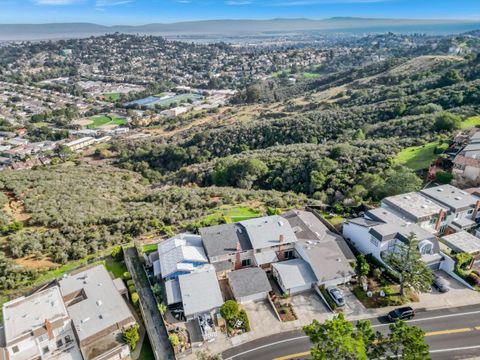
point(112, 96)
point(177, 99)
point(310, 75)
point(149, 248)
point(146, 353)
point(240, 213)
point(116, 268)
point(101, 120)
point(418, 157)
point(470, 122)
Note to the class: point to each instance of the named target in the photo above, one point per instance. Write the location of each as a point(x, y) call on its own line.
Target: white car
point(336, 295)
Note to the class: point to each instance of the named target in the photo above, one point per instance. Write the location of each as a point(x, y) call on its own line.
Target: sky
point(136, 12)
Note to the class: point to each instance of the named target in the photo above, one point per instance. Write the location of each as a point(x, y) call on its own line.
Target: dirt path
point(15, 208)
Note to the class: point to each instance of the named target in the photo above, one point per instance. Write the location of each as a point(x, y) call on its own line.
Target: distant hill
point(229, 27)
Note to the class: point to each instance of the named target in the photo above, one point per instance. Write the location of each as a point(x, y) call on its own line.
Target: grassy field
point(101, 120)
point(112, 96)
point(149, 248)
point(240, 213)
point(177, 99)
point(470, 122)
point(115, 267)
point(418, 157)
point(310, 75)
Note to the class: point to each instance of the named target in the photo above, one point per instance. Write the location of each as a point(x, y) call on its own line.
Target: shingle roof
point(248, 281)
point(265, 232)
point(200, 292)
point(222, 239)
point(295, 273)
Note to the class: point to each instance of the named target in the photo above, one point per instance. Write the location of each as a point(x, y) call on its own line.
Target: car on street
point(336, 295)
point(403, 313)
point(441, 284)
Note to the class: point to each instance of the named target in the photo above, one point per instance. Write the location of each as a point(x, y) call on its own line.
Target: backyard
point(470, 122)
point(112, 96)
point(420, 157)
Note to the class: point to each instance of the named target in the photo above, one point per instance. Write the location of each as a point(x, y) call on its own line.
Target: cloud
point(238, 2)
point(57, 2)
point(104, 3)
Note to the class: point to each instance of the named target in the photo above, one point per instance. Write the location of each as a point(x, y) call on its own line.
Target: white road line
point(456, 349)
point(434, 318)
point(265, 346)
point(373, 326)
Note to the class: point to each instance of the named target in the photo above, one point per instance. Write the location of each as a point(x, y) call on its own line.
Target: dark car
point(404, 313)
point(441, 284)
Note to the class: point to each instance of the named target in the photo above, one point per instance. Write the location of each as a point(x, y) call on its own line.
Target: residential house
point(99, 313)
point(293, 276)
point(39, 327)
point(466, 164)
point(249, 284)
point(80, 144)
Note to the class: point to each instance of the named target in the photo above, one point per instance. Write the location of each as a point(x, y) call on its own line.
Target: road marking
point(456, 349)
point(433, 318)
point(293, 356)
point(267, 345)
point(445, 332)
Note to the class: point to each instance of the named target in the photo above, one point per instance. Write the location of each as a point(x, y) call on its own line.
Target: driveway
point(309, 306)
point(458, 295)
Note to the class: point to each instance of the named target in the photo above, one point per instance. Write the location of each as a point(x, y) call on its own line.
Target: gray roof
point(295, 273)
point(451, 197)
point(200, 292)
point(172, 290)
point(248, 281)
point(363, 221)
point(326, 258)
point(462, 241)
point(413, 205)
point(223, 239)
point(25, 314)
point(305, 225)
point(265, 232)
point(102, 305)
point(265, 257)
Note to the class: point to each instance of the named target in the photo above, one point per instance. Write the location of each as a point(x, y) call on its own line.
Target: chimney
point(441, 215)
point(281, 253)
point(477, 206)
point(238, 260)
point(49, 328)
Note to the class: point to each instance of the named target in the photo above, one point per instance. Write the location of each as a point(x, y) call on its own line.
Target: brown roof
point(462, 160)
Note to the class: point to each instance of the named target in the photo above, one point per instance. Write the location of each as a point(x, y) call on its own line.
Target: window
point(59, 343)
point(470, 212)
point(68, 339)
point(433, 220)
point(288, 254)
point(425, 247)
point(15, 349)
point(42, 338)
point(374, 241)
point(246, 262)
point(45, 350)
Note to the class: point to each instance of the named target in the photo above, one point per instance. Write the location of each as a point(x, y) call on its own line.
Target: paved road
point(452, 333)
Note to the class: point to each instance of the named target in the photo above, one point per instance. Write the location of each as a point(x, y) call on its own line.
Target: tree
point(359, 135)
point(399, 180)
point(339, 339)
point(446, 121)
point(230, 310)
point(162, 308)
point(407, 342)
point(117, 253)
point(253, 93)
point(135, 298)
point(363, 265)
point(406, 260)
point(131, 336)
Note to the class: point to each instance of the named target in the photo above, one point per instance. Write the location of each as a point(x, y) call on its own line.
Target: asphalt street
point(452, 333)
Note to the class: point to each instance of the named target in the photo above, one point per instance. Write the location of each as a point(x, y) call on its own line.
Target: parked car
point(336, 295)
point(441, 284)
point(404, 313)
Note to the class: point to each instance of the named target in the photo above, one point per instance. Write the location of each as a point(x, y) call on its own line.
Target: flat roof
point(223, 239)
point(295, 273)
point(22, 315)
point(172, 290)
point(452, 197)
point(101, 306)
point(200, 292)
point(462, 241)
point(248, 281)
point(413, 205)
point(265, 232)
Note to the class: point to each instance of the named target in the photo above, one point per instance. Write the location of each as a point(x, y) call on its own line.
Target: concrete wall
point(254, 297)
point(360, 237)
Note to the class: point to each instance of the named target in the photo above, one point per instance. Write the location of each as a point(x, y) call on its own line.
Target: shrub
point(132, 289)
point(174, 340)
point(473, 279)
point(135, 298)
point(327, 297)
point(131, 337)
point(117, 253)
point(127, 275)
point(130, 283)
point(230, 310)
point(362, 265)
point(243, 317)
point(463, 263)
